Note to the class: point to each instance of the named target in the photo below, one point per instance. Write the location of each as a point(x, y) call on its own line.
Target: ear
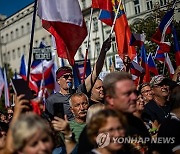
point(109, 100)
point(71, 108)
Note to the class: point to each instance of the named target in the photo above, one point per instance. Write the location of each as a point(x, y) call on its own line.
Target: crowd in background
point(91, 118)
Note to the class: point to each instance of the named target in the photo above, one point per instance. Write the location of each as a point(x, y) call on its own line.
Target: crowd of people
point(99, 117)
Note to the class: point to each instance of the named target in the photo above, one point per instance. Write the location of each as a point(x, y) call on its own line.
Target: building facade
point(15, 31)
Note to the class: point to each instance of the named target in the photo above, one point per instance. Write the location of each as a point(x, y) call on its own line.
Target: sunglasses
point(66, 76)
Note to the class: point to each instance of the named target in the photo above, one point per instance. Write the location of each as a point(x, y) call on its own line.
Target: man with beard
point(158, 108)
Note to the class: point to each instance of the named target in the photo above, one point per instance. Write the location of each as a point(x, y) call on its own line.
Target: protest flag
point(64, 20)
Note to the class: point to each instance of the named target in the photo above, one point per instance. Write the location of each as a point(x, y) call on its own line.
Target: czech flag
point(176, 47)
point(144, 64)
point(152, 65)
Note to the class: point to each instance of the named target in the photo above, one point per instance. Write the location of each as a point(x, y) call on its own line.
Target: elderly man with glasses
point(64, 78)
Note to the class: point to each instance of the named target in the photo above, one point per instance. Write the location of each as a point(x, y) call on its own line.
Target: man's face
point(79, 106)
point(147, 93)
point(125, 97)
point(63, 80)
point(161, 90)
point(97, 93)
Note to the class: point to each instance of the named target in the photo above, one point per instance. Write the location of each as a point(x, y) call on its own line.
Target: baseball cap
point(156, 80)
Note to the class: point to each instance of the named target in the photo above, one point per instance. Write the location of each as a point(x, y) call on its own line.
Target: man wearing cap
point(158, 108)
point(64, 78)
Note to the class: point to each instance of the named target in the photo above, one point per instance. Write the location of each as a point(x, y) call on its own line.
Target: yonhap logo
point(103, 140)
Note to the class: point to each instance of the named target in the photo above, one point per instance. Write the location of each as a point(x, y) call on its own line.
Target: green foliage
point(149, 26)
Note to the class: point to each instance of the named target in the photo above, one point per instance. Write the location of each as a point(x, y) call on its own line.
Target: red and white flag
point(169, 65)
point(64, 20)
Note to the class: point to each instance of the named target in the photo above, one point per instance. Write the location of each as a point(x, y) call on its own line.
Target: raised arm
point(91, 79)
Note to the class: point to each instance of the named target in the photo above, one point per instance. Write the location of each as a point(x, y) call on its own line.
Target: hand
point(61, 125)
point(177, 70)
point(106, 44)
point(20, 104)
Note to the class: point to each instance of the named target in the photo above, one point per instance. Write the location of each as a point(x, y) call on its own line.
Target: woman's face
point(40, 143)
point(140, 103)
point(115, 130)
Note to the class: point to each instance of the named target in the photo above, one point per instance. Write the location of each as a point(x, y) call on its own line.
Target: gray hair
point(78, 94)
point(93, 109)
point(25, 127)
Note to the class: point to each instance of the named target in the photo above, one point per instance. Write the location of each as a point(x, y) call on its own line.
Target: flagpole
point(31, 41)
point(115, 17)
point(87, 46)
point(164, 63)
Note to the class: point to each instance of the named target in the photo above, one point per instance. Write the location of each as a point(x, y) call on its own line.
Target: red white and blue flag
point(144, 64)
point(23, 68)
point(64, 20)
point(152, 65)
point(6, 90)
point(1, 82)
point(137, 39)
point(176, 47)
point(164, 27)
point(121, 28)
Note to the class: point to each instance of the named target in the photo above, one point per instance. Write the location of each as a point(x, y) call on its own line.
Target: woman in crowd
point(28, 133)
point(31, 135)
point(104, 126)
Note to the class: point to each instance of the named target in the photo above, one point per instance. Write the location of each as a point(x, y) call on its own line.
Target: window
point(95, 24)
point(22, 30)
point(9, 56)
point(4, 57)
point(136, 6)
point(12, 35)
point(7, 37)
point(149, 4)
point(163, 2)
point(83, 4)
point(36, 43)
point(97, 47)
point(17, 33)
point(13, 54)
point(19, 52)
point(28, 27)
point(2, 39)
point(24, 49)
point(80, 54)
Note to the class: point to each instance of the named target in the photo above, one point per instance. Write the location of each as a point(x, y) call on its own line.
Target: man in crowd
point(79, 105)
point(64, 78)
point(97, 93)
point(158, 108)
point(120, 94)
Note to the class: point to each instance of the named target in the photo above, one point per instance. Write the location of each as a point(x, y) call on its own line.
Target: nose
point(133, 96)
point(42, 146)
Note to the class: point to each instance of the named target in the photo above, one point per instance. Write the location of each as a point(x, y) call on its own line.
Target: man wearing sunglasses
point(64, 78)
point(158, 108)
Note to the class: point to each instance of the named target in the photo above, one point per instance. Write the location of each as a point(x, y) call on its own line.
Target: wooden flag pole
point(31, 41)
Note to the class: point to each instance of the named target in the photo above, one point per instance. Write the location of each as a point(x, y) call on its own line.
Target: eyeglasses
point(66, 76)
point(146, 91)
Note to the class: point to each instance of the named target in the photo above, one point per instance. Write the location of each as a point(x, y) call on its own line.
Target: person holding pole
point(64, 78)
